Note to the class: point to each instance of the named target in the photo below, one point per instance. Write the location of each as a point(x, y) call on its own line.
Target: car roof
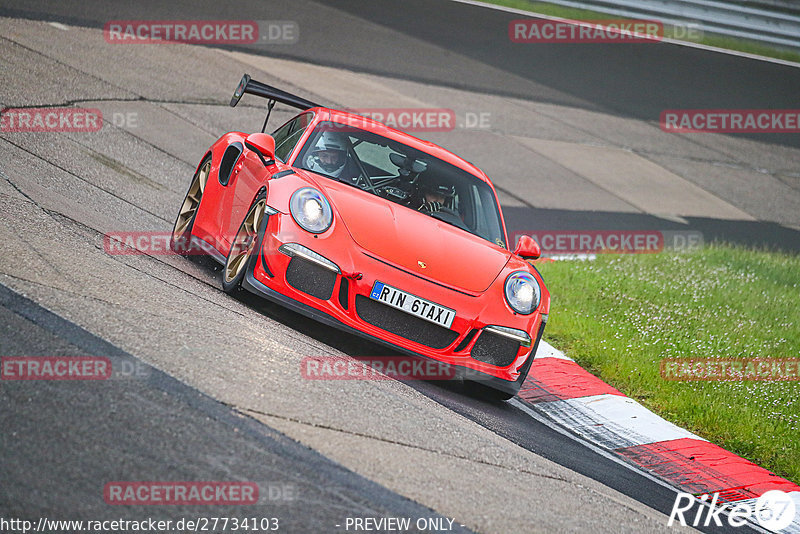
point(371, 125)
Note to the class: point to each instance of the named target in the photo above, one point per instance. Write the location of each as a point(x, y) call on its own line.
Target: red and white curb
point(562, 391)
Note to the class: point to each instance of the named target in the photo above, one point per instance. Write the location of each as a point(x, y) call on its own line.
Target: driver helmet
point(329, 154)
point(436, 189)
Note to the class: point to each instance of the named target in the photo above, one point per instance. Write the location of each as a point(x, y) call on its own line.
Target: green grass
point(709, 39)
point(619, 315)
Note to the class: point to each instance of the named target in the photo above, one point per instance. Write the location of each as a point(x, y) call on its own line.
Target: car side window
point(287, 136)
point(376, 160)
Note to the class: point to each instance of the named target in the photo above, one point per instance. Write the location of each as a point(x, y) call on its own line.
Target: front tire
point(491, 394)
point(180, 242)
point(243, 245)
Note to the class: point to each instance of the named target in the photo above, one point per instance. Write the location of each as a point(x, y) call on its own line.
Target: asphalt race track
point(168, 430)
point(215, 391)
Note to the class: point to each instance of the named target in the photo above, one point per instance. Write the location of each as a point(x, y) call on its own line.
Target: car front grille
point(495, 349)
point(310, 278)
point(402, 324)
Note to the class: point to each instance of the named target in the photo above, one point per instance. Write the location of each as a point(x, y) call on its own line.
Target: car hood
point(417, 242)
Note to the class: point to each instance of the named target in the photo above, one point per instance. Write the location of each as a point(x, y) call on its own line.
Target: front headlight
point(522, 292)
point(311, 210)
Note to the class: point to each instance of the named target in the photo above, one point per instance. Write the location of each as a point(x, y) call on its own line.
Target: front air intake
point(405, 325)
point(495, 349)
point(310, 278)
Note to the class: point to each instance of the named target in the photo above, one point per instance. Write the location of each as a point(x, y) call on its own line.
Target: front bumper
point(333, 286)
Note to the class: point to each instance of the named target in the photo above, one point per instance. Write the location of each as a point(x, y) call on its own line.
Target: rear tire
point(180, 242)
point(244, 243)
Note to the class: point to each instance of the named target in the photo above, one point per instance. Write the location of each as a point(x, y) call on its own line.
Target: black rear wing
point(273, 94)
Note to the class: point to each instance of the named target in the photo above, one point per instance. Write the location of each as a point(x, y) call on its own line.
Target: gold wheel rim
point(244, 242)
point(191, 202)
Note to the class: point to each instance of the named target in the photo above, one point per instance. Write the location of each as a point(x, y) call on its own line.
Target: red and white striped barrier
point(566, 393)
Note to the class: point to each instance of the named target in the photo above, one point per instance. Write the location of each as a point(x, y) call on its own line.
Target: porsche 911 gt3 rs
point(373, 231)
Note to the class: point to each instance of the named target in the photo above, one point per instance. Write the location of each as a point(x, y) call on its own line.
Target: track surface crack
point(394, 442)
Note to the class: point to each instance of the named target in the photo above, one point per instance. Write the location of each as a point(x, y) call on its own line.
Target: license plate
point(412, 304)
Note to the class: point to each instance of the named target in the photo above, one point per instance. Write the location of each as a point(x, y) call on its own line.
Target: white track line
point(546, 350)
point(557, 426)
point(613, 421)
point(619, 425)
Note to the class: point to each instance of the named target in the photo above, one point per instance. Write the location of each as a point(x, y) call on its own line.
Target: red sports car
point(373, 231)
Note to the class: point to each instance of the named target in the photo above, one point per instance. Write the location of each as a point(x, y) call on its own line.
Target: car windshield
point(403, 175)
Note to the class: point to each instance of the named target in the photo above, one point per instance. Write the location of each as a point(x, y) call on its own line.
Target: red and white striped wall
point(585, 405)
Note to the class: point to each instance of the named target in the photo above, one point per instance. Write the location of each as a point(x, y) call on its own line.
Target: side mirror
point(263, 145)
point(527, 248)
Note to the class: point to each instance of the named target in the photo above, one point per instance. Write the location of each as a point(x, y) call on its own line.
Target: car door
point(250, 175)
